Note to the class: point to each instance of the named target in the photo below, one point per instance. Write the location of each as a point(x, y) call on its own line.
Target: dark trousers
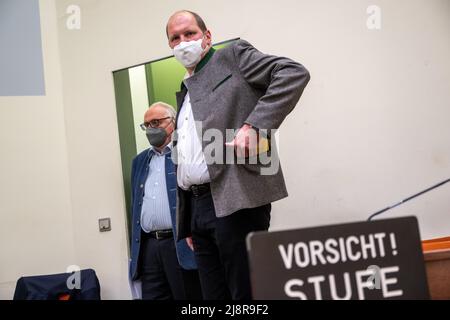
point(162, 276)
point(220, 249)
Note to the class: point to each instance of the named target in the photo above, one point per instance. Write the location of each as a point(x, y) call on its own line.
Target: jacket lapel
point(180, 98)
point(171, 184)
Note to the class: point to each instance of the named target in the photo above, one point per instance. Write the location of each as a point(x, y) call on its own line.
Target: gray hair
point(171, 112)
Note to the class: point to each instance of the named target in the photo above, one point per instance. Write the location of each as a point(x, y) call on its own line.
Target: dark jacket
point(139, 175)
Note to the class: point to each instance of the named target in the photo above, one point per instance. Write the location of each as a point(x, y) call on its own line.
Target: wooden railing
point(437, 262)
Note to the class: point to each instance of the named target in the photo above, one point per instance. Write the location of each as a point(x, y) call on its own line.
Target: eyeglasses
point(155, 123)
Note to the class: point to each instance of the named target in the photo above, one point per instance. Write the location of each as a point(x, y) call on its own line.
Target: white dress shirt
point(192, 168)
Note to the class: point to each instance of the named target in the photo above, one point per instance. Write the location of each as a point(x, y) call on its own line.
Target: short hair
point(170, 110)
point(201, 24)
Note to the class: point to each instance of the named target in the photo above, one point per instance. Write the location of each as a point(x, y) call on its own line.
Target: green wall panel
point(126, 133)
point(164, 80)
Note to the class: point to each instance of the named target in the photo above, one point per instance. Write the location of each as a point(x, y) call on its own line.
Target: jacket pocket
point(221, 82)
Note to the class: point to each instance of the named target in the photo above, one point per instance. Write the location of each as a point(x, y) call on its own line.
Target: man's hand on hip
point(245, 142)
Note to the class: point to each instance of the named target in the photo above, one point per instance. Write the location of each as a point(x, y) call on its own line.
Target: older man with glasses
point(165, 267)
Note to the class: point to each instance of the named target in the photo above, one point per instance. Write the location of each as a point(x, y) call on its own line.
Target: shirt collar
point(166, 150)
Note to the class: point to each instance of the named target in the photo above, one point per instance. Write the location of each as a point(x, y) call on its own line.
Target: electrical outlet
point(104, 224)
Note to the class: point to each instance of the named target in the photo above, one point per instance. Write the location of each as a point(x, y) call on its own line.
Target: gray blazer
point(237, 85)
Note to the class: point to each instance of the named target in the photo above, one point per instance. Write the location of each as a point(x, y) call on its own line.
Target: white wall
point(36, 228)
point(371, 127)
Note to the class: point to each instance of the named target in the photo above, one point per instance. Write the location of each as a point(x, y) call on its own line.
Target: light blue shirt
point(155, 214)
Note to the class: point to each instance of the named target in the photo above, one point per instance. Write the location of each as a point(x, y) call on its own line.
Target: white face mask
point(189, 53)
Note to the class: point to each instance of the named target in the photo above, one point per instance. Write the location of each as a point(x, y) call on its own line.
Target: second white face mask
point(189, 53)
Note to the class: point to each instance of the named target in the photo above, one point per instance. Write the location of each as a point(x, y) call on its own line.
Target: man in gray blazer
point(220, 202)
